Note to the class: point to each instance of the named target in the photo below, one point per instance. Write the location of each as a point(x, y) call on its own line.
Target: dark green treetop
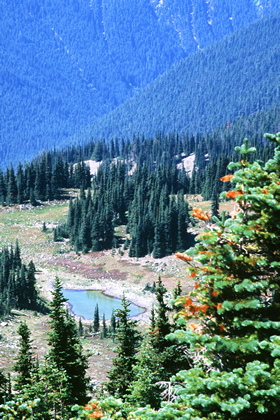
point(121, 375)
point(65, 347)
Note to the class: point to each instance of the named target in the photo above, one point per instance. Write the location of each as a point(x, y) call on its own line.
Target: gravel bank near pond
point(113, 275)
point(110, 287)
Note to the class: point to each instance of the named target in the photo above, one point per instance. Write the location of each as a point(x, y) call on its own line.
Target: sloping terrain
point(235, 78)
point(64, 64)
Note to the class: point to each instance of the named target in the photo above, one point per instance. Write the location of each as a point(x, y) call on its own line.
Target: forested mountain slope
point(64, 64)
point(236, 77)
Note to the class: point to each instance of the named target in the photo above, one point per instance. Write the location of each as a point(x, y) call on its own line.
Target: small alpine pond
point(83, 302)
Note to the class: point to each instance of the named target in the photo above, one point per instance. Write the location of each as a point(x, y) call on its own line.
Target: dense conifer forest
point(17, 283)
point(66, 65)
point(140, 183)
point(202, 91)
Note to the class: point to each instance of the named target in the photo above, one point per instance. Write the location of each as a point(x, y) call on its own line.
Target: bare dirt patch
point(90, 271)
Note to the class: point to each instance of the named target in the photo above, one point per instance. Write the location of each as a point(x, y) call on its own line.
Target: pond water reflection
point(83, 303)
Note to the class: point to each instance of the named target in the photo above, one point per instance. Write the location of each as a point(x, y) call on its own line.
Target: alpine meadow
point(140, 162)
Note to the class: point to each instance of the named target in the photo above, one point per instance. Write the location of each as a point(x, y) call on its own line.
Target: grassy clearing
point(26, 226)
point(109, 271)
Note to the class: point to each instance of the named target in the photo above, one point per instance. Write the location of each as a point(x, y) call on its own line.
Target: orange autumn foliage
point(203, 308)
point(233, 193)
point(199, 214)
point(226, 178)
point(188, 301)
point(192, 308)
point(96, 414)
point(96, 411)
point(194, 327)
point(183, 257)
point(193, 274)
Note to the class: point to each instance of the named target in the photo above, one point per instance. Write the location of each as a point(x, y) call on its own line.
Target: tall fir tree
point(25, 363)
point(158, 358)
point(104, 331)
point(231, 320)
point(96, 319)
point(66, 349)
point(11, 187)
point(128, 338)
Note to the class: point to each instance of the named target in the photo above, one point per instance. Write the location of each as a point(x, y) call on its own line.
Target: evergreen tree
point(113, 324)
point(31, 285)
point(177, 292)
point(80, 328)
point(85, 235)
point(17, 257)
point(96, 319)
point(17, 289)
point(20, 184)
point(128, 338)
point(46, 394)
point(32, 198)
point(147, 373)
point(234, 338)
point(104, 332)
point(39, 185)
point(162, 323)
point(25, 364)
point(159, 242)
point(12, 187)
point(2, 188)
point(5, 387)
point(215, 205)
point(66, 349)
point(158, 358)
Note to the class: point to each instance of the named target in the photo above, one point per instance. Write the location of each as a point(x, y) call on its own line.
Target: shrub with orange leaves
point(96, 414)
point(188, 301)
point(183, 256)
point(226, 178)
point(193, 274)
point(192, 309)
point(193, 327)
point(199, 214)
point(234, 193)
point(94, 411)
point(203, 235)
